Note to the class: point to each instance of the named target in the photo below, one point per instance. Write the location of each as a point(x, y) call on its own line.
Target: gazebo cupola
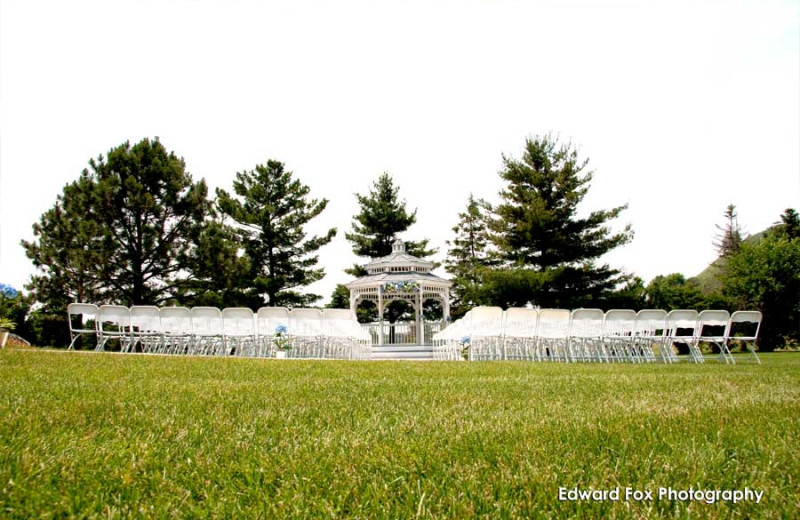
point(400, 276)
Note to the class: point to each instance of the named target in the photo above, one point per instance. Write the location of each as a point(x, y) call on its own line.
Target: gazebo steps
point(406, 352)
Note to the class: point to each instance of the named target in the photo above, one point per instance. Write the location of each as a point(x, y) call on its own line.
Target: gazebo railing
point(401, 333)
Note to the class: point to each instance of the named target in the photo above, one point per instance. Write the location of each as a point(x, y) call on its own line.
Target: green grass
point(105, 435)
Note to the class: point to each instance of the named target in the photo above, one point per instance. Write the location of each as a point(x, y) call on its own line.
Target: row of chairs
point(310, 333)
point(489, 333)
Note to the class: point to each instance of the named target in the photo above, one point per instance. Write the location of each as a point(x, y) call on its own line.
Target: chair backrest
point(305, 322)
point(145, 318)
point(487, 321)
point(114, 314)
point(520, 322)
point(268, 318)
point(586, 323)
point(553, 323)
point(682, 319)
point(651, 323)
point(86, 312)
point(749, 317)
point(238, 321)
point(176, 321)
point(339, 323)
point(713, 323)
point(207, 321)
point(619, 322)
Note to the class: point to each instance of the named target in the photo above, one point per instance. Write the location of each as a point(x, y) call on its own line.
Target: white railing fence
point(401, 333)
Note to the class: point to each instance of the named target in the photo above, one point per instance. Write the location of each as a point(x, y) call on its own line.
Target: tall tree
point(68, 251)
point(219, 271)
point(729, 235)
point(382, 217)
point(151, 212)
point(790, 224)
point(270, 210)
point(468, 254)
point(537, 227)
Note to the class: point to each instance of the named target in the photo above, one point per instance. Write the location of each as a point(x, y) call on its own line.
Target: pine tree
point(68, 251)
point(729, 239)
point(790, 224)
point(468, 255)
point(537, 227)
point(219, 272)
point(122, 232)
point(269, 210)
point(382, 217)
point(151, 212)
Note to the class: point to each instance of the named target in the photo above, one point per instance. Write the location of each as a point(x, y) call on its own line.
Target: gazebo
point(400, 276)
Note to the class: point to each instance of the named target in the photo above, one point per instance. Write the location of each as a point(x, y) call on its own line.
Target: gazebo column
point(420, 322)
point(380, 318)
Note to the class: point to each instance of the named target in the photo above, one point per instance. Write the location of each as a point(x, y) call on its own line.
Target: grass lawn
point(109, 435)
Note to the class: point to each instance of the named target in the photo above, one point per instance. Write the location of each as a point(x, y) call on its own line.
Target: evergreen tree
point(122, 232)
point(151, 213)
point(467, 254)
point(790, 224)
point(729, 237)
point(340, 298)
point(382, 217)
point(537, 227)
point(219, 272)
point(270, 209)
point(68, 250)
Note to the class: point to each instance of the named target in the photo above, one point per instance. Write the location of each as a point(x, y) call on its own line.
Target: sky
point(681, 107)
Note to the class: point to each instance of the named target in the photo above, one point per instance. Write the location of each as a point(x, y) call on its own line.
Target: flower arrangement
point(401, 287)
point(465, 347)
point(280, 338)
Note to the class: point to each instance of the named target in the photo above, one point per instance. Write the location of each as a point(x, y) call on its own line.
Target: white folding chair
point(751, 319)
point(305, 331)
point(271, 321)
point(208, 331)
point(519, 332)
point(486, 333)
point(339, 333)
point(114, 323)
point(176, 325)
point(239, 331)
point(552, 335)
point(145, 328)
point(586, 335)
point(619, 328)
point(651, 330)
point(85, 312)
point(686, 320)
point(447, 343)
point(713, 327)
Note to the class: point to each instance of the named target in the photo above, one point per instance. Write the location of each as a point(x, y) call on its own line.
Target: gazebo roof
point(398, 261)
point(382, 278)
point(398, 266)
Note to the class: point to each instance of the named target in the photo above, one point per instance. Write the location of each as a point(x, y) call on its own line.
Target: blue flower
point(465, 339)
point(281, 329)
point(8, 291)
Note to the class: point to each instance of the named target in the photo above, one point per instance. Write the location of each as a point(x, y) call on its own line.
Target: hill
point(708, 279)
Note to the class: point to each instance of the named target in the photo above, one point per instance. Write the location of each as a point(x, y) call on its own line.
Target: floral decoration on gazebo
point(407, 286)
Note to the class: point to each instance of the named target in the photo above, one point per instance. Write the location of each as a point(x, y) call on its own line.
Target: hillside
point(708, 280)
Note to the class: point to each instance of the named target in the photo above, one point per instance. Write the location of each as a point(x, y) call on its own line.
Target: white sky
point(681, 107)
